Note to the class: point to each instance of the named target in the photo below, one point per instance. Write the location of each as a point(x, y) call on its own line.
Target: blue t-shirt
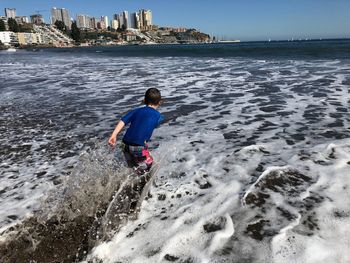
point(142, 123)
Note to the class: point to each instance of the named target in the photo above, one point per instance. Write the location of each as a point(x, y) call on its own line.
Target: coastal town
point(124, 28)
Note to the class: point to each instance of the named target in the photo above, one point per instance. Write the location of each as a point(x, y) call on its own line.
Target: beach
point(254, 152)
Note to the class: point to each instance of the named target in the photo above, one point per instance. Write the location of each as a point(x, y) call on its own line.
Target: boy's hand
point(112, 141)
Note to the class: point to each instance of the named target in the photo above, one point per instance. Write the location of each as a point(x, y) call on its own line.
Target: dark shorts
point(138, 157)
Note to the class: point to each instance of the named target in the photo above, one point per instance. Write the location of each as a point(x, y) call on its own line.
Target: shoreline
point(48, 46)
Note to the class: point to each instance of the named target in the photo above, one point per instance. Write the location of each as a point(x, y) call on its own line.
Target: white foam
point(214, 156)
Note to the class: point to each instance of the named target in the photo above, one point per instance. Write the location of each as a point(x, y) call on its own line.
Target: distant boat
point(11, 50)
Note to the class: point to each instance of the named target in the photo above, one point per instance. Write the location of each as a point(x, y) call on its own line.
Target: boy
point(142, 121)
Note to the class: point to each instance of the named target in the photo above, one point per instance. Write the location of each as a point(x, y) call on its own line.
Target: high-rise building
point(10, 12)
point(133, 20)
point(88, 22)
point(145, 19)
point(93, 22)
point(105, 21)
point(125, 19)
point(84, 22)
point(80, 21)
point(56, 15)
point(137, 20)
point(66, 18)
point(61, 14)
point(121, 20)
point(101, 24)
point(115, 24)
point(37, 19)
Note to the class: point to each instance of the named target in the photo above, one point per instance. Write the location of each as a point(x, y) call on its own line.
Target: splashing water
point(99, 196)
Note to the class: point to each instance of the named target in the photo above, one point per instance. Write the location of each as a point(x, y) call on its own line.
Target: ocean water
point(254, 153)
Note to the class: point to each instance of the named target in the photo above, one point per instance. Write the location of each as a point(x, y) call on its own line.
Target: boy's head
point(153, 97)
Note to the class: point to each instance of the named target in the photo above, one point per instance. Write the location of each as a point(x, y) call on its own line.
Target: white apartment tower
point(115, 24)
point(66, 18)
point(115, 21)
point(101, 24)
point(137, 21)
point(121, 20)
point(56, 15)
point(133, 20)
point(105, 20)
point(10, 12)
point(125, 19)
point(83, 22)
point(61, 14)
point(145, 17)
point(94, 22)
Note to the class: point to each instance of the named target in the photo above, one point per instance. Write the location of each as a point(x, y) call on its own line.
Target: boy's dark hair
point(152, 96)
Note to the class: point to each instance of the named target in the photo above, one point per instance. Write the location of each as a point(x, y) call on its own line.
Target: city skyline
point(255, 20)
point(141, 20)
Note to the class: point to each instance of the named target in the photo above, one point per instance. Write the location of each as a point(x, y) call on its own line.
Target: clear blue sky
point(229, 19)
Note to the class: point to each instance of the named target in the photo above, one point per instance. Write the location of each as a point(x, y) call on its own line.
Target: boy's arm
point(113, 139)
point(161, 119)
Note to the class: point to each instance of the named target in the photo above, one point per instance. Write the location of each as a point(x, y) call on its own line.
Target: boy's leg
point(138, 157)
point(149, 159)
point(144, 165)
point(129, 158)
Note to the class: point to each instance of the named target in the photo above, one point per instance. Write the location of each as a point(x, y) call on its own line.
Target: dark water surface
point(333, 49)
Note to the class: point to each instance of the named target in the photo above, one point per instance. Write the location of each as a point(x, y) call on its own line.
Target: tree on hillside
point(75, 34)
point(60, 25)
point(2, 25)
point(13, 26)
point(88, 35)
point(27, 28)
